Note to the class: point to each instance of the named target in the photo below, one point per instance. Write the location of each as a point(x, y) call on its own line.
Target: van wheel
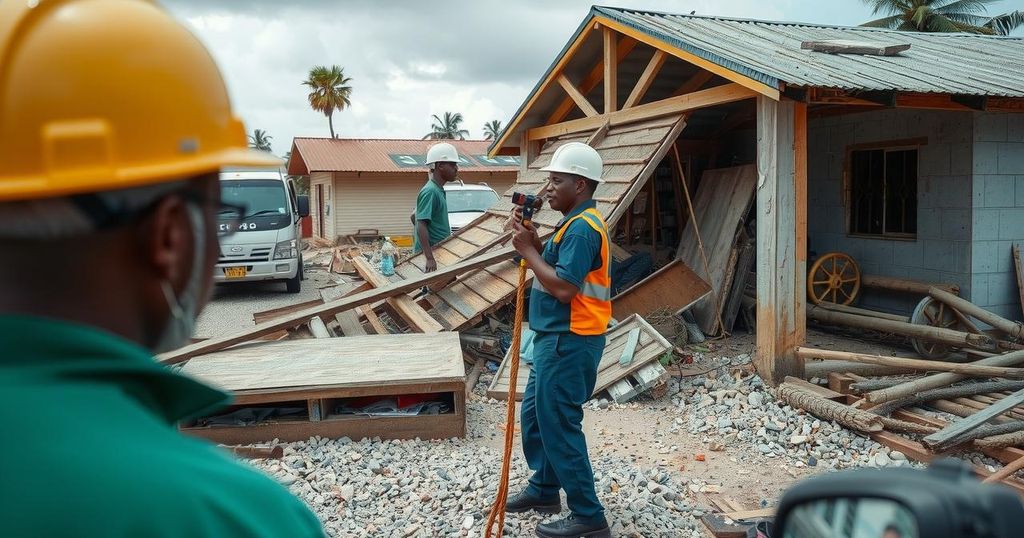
point(295, 284)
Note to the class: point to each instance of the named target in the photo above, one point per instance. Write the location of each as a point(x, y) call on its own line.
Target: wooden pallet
point(650, 346)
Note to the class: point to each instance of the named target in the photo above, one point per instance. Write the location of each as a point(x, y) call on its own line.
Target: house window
point(883, 192)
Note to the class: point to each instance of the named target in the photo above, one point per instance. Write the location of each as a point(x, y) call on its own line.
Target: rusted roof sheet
point(385, 155)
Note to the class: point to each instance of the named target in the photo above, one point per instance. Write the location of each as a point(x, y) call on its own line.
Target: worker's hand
point(524, 238)
point(514, 216)
point(431, 265)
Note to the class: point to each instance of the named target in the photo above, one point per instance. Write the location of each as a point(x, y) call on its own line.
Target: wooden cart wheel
point(834, 278)
point(934, 313)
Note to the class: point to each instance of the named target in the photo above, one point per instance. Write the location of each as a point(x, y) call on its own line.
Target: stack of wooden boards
point(926, 408)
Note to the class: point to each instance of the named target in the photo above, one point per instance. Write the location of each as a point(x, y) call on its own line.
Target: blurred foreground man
point(114, 122)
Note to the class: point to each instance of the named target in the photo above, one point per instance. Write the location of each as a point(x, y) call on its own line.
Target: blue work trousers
point(562, 378)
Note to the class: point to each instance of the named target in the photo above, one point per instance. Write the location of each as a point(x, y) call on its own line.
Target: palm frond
point(892, 21)
point(1005, 23)
point(962, 7)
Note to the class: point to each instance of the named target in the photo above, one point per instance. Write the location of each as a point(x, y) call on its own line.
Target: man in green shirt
point(431, 217)
point(109, 212)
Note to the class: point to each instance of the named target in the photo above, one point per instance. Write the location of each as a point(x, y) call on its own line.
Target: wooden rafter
point(646, 78)
point(576, 96)
point(611, 71)
point(694, 83)
point(727, 93)
point(589, 82)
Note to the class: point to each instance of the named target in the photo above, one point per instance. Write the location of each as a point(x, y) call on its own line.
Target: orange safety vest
point(591, 309)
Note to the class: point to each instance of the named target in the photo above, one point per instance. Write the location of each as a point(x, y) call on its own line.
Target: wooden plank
point(343, 362)
point(646, 78)
point(626, 201)
point(967, 424)
point(673, 105)
point(780, 271)
point(611, 71)
point(721, 204)
point(650, 295)
point(348, 321)
point(1019, 265)
point(345, 303)
point(842, 46)
point(412, 313)
point(577, 97)
point(818, 390)
point(318, 328)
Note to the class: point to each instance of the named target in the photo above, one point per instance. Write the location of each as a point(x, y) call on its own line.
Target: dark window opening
point(883, 192)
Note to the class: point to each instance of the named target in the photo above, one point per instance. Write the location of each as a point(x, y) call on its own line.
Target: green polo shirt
point(91, 447)
point(431, 207)
point(578, 253)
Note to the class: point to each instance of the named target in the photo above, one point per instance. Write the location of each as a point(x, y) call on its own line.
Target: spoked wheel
point(935, 313)
point(834, 278)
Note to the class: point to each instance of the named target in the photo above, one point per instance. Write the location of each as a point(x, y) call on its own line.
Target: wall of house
point(942, 250)
point(385, 201)
point(998, 219)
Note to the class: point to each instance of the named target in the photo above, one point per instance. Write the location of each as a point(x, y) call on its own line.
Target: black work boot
point(570, 527)
point(524, 502)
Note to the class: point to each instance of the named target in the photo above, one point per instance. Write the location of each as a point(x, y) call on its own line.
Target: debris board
point(674, 285)
point(721, 205)
point(466, 300)
point(842, 46)
point(650, 347)
point(337, 362)
point(413, 314)
point(644, 379)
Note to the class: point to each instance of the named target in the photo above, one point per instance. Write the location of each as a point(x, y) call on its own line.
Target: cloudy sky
point(409, 59)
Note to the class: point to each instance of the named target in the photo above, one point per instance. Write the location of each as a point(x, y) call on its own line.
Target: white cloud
point(410, 59)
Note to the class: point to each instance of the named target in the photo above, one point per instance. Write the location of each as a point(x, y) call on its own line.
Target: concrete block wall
point(942, 251)
point(998, 217)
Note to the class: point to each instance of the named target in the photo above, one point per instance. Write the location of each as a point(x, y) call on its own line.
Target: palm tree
point(259, 139)
point(932, 15)
point(492, 129)
point(329, 91)
point(1005, 23)
point(448, 128)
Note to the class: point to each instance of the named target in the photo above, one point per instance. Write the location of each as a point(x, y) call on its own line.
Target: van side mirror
point(303, 202)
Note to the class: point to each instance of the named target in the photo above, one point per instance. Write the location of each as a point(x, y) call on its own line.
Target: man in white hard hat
point(570, 307)
point(114, 122)
point(431, 215)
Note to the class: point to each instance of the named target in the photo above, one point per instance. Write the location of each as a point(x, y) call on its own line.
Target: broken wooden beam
point(821, 369)
point(1013, 329)
point(345, 303)
point(953, 434)
point(939, 380)
point(921, 332)
point(921, 365)
point(904, 285)
point(413, 314)
point(825, 409)
point(859, 311)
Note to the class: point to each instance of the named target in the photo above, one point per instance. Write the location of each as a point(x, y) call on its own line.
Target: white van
point(467, 201)
point(268, 239)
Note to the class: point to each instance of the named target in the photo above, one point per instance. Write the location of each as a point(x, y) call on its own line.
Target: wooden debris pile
point(971, 402)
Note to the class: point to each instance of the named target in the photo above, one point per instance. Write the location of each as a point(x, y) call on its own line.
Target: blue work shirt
point(578, 253)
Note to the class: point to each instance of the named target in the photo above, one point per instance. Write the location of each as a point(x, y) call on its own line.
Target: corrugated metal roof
point(379, 155)
point(769, 52)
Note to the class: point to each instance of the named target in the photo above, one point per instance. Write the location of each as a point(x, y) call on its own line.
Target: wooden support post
point(577, 97)
point(611, 70)
point(781, 229)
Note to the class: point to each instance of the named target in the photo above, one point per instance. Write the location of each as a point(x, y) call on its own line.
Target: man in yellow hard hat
point(114, 122)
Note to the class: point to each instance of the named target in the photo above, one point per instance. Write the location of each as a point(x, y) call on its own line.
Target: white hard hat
point(576, 158)
point(442, 152)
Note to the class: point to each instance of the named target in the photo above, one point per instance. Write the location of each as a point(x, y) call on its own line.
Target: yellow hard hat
point(99, 95)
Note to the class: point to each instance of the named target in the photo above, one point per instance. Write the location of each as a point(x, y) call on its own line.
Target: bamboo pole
point(1001, 441)
point(945, 394)
point(939, 380)
point(823, 368)
point(912, 364)
point(859, 311)
point(1013, 329)
point(920, 332)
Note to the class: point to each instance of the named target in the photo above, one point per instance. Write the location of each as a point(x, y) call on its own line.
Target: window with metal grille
point(883, 192)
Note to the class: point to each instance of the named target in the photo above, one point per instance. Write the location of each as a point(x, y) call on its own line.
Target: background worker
point(570, 307)
point(431, 216)
point(114, 122)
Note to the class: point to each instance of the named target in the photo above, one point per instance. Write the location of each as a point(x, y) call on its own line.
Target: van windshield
point(470, 201)
point(260, 197)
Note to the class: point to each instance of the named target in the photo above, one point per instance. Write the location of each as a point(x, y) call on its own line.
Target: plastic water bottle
point(388, 252)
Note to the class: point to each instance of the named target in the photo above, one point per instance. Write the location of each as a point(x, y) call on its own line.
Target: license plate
point(235, 272)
